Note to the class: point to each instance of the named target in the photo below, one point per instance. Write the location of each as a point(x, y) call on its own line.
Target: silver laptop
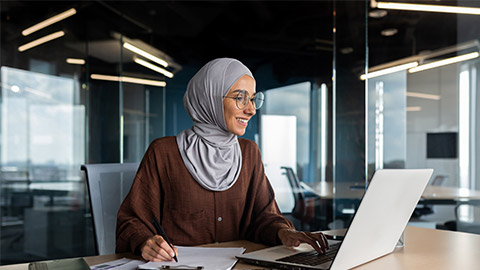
point(376, 227)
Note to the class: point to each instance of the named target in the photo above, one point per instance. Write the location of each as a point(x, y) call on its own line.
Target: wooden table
point(424, 249)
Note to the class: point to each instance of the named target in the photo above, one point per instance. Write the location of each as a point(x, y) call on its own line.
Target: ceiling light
point(41, 40)
point(414, 109)
point(346, 50)
point(444, 62)
point(388, 70)
point(377, 13)
point(48, 22)
point(429, 8)
point(15, 88)
point(145, 54)
point(128, 80)
point(76, 61)
point(423, 95)
point(153, 67)
point(389, 32)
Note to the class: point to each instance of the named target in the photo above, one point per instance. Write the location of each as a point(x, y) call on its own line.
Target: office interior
point(350, 88)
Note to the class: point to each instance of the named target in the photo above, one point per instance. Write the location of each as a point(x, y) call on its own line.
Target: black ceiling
point(285, 33)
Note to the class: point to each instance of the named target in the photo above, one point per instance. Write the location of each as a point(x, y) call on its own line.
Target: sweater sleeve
point(142, 203)
point(266, 217)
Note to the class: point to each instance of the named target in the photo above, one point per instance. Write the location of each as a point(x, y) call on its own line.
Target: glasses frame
point(252, 99)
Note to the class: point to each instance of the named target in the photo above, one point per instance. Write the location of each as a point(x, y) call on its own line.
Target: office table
point(424, 249)
point(431, 195)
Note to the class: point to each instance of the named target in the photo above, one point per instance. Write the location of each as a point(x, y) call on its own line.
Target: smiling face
point(237, 119)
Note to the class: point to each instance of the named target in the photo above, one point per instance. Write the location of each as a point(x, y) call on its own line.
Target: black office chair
point(307, 204)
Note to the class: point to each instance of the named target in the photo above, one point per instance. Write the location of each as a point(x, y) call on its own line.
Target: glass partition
point(348, 181)
point(66, 102)
point(430, 89)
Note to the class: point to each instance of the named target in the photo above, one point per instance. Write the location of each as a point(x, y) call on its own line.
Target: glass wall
point(431, 98)
point(58, 112)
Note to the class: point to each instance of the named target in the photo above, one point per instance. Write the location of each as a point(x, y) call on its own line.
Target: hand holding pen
point(158, 248)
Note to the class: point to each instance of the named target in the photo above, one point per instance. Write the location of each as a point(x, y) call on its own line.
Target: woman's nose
point(250, 109)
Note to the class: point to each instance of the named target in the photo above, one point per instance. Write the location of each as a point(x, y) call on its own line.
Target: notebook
point(375, 230)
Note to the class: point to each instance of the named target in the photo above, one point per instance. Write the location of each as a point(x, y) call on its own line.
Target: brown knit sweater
point(192, 215)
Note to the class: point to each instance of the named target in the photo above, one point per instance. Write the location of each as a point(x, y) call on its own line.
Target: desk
point(424, 249)
point(431, 195)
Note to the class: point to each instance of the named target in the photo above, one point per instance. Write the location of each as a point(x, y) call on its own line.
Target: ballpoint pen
point(162, 233)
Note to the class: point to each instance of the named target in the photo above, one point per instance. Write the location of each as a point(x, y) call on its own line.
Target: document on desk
point(210, 258)
point(121, 264)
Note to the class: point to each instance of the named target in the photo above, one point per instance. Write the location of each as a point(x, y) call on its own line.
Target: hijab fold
point(210, 152)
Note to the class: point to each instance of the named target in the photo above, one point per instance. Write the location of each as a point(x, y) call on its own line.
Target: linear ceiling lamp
point(153, 67)
point(414, 109)
point(41, 40)
point(75, 61)
point(423, 95)
point(50, 21)
point(128, 80)
point(444, 62)
point(388, 70)
point(145, 54)
point(429, 8)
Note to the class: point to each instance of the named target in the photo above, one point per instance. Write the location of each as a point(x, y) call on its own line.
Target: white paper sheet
point(121, 264)
point(210, 258)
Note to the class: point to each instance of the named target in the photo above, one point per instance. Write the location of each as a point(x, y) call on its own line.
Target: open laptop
point(375, 230)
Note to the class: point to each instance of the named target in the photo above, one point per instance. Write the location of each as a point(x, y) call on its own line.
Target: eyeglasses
point(242, 97)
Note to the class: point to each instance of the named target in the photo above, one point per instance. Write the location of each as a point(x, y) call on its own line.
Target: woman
point(205, 185)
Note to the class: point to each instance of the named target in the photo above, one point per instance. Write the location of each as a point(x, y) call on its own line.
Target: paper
point(210, 258)
point(121, 264)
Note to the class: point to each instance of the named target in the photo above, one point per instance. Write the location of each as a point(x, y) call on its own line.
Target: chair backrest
point(467, 217)
point(439, 180)
point(299, 208)
point(108, 184)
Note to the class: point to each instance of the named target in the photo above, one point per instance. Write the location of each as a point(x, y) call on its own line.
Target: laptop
point(375, 230)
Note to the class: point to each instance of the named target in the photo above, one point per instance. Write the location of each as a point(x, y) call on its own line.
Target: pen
point(162, 233)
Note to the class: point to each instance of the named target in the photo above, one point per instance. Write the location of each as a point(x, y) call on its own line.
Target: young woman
point(205, 185)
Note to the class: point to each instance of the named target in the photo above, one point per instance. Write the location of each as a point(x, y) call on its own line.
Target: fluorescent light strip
point(431, 8)
point(145, 54)
point(50, 21)
point(75, 61)
point(153, 67)
point(423, 95)
point(388, 70)
point(128, 80)
point(41, 40)
point(444, 62)
point(414, 109)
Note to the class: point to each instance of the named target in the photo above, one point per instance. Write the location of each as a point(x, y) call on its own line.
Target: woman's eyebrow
point(239, 90)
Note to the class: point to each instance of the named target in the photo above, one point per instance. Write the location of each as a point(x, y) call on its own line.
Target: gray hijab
point(210, 152)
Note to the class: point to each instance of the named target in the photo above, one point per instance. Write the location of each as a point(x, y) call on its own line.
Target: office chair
point(306, 203)
point(427, 209)
point(108, 184)
point(472, 212)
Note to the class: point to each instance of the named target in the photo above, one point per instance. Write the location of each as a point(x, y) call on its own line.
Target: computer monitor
point(442, 145)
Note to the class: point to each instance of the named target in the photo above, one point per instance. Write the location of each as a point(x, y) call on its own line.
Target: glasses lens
point(259, 97)
point(242, 99)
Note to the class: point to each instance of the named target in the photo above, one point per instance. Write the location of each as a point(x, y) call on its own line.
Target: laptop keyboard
point(312, 257)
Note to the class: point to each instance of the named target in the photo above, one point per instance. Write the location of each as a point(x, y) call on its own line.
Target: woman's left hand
point(291, 237)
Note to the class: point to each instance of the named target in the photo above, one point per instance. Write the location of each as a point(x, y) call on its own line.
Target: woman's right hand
point(156, 249)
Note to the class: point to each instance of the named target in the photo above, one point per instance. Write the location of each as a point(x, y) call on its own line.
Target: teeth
point(242, 120)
